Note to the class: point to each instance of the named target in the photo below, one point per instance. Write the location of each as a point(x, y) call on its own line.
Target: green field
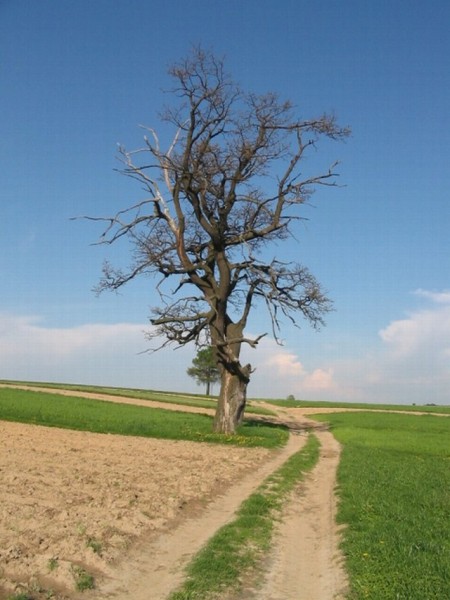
point(394, 484)
point(84, 414)
point(441, 409)
point(198, 400)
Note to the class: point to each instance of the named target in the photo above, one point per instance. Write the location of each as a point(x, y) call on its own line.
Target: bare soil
point(133, 511)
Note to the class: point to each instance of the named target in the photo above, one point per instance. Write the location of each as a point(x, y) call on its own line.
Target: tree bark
point(231, 402)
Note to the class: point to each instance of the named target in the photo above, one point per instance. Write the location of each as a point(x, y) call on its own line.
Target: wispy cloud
point(321, 380)
point(439, 297)
point(89, 353)
point(27, 241)
point(413, 363)
point(26, 337)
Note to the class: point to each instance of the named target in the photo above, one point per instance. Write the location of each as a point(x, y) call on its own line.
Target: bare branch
point(231, 180)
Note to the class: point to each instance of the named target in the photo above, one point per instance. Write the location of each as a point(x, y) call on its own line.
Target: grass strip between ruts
point(237, 547)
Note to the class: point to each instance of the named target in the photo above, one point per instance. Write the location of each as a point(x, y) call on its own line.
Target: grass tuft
point(83, 579)
point(52, 564)
point(94, 545)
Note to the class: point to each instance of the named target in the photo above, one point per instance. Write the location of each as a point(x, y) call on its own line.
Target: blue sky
point(77, 77)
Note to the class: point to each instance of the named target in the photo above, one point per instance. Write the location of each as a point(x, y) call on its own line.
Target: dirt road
point(156, 569)
point(305, 562)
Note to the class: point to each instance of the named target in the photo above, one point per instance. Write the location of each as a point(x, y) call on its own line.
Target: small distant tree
point(204, 368)
point(227, 189)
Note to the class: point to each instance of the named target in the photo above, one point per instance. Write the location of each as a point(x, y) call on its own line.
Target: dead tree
point(226, 186)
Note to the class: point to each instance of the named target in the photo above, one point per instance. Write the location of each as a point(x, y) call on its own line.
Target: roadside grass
point(197, 400)
point(443, 409)
point(394, 482)
point(236, 549)
point(84, 414)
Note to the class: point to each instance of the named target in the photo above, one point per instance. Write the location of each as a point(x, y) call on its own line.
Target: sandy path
point(305, 562)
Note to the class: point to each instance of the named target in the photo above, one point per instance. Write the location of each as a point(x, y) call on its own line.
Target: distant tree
point(291, 398)
point(225, 188)
point(204, 368)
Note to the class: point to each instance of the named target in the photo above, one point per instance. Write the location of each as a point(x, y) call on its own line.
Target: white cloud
point(320, 380)
point(414, 361)
point(285, 364)
point(439, 297)
point(408, 364)
point(108, 354)
point(425, 331)
point(25, 337)
point(280, 373)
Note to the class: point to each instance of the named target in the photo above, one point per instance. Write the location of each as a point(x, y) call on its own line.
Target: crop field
point(197, 400)
point(394, 483)
point(85, 414)
point(423, 408)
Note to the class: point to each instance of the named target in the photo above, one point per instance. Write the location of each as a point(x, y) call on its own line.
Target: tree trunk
point(231, 402)
point(208, 385)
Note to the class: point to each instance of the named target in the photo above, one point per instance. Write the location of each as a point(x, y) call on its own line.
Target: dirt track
point(157, 568)
point(150, 505)
point(305, 562)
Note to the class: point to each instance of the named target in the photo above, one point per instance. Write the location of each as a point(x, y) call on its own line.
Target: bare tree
point(227, 185)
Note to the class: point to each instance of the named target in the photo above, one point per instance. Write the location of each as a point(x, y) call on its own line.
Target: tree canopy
point(204, 368)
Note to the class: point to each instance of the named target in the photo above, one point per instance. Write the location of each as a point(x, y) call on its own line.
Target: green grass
point(443, 409)
point(394, 482)
point(94, 545)
point(106, 417)
point(151, 395)
point(52, 564)
point(237, 548)
point(83, 579)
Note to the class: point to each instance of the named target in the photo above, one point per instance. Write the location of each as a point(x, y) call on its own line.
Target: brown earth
point(133, 511)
